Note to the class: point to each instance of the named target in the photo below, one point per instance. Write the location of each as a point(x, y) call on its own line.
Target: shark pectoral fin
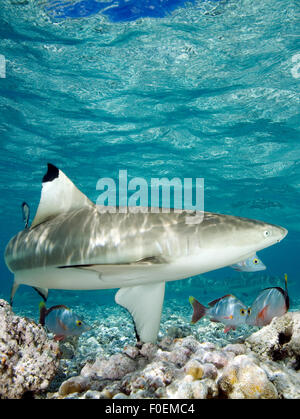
point(144, 303)
point(43, 292)
point(59, 194)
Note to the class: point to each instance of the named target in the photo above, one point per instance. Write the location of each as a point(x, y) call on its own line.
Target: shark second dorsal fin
point(59, 194)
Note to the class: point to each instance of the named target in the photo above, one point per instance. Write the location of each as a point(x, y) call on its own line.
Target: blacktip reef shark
point(73, 245)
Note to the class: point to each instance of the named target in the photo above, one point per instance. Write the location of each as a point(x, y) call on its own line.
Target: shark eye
point(267, 233)
point(242, 311)
point(78, 322)
point(255, 261)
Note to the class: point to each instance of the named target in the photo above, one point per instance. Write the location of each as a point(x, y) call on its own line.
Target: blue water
point(206, 89)
point(117, 11)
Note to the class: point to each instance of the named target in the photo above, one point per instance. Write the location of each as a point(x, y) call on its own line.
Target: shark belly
point(105, 276)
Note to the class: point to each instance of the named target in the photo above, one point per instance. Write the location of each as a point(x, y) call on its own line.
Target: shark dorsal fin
point(59, 194)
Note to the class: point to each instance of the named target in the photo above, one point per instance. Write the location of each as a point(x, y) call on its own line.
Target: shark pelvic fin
point(144, 303)
point(59, 194)
point(43, 292)
point(13, 291)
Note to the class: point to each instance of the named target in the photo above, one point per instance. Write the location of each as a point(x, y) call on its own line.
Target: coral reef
point(28, 359)
point(185, 368)
point(186, 363)
point(279, 341)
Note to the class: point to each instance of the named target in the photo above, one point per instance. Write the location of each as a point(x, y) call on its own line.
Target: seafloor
point(189, 361)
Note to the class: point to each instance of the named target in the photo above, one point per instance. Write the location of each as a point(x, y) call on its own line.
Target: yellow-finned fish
point(227, 310)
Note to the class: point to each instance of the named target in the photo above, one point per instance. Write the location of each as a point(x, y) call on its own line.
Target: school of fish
point(270, 302)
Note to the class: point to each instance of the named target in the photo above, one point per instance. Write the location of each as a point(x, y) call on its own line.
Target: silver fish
point(251, 264)
point(62, 321)
point(270, 302)
point(228, 310)
point(74, 244)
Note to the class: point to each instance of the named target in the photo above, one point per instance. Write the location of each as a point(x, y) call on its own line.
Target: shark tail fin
point(199, 310)
point(59, 194)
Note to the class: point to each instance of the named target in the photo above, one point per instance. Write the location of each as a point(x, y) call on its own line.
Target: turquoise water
point(203, 89)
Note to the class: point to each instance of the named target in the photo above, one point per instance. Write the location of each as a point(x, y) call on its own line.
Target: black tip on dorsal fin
point(52, 173)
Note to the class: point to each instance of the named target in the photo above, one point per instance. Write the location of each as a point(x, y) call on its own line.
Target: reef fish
point(270, 302)
point(62, 321)
point(74, 244)
point(227, 310)
point(251, 264)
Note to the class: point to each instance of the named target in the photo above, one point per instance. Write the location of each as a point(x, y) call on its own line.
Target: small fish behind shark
point(74, 244)
point(251, 264)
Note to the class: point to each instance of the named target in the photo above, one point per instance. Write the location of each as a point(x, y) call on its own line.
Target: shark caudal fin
point(199, 310)
point(59, 194)
point(144, 303)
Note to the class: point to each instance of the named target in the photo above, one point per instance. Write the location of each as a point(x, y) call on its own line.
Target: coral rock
point(244, 379)
point(200, 390)
point(236, 348)
point(180, 355)
point(194, 368)
point(74, 385)
point(28, 359)
point(217, 358)
point(286, 381)
point(148, 350)
point(279, 341)
point(191, 343)
point(209, 371)
point(116, 367)
point(131, 351)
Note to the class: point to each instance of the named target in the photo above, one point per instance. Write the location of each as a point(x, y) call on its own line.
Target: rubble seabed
point(185, 363)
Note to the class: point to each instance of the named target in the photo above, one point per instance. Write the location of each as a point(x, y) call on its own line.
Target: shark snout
point(284, 232)
point(280, 232)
